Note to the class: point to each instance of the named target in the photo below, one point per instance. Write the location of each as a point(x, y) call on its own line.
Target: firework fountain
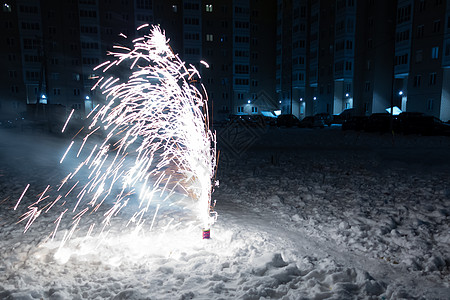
point(157, 143)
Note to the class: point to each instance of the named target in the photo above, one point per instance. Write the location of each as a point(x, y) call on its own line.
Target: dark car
point(411, 122)
point(312, 122)
point(418, 123)
point(247, 120)
point(378, 122)
point(357, 123)
point(287, 120)
point(344, 116)
point(326, 117)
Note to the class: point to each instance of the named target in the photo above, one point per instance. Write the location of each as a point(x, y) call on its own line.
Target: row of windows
point(241, 53)
point(299, 44)
point(241, 10)
point(404, 14)
point(343, 3)
point(401, 59)
point(31, 44)
point(31, 58)
point(341, 45)
point(144, 4)
point(91, 60)
point(298, 60)
point(240, 24)
point(192, 51)
point(431, 79)
point(191, 21)
point(28, 9)
point(402, 36)
point(144, 18)
point(191, 6)
point(241, 81)
point(88, 13)
point(88, 29)
point(300, 27)
point(241, 69)
point(192, 36)
point(30, 26)
point(87, 45)
point(340, 66)
point(422, 4)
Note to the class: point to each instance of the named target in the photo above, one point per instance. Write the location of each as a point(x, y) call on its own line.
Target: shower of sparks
point(157, 143)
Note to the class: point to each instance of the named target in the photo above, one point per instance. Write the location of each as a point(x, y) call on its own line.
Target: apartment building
point(366, 55)
point(50, 49)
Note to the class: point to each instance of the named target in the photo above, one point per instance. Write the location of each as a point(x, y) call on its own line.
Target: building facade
point(50, 49)
point(366, 55)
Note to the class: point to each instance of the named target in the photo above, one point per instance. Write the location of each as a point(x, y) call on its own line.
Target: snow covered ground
point(303, 214)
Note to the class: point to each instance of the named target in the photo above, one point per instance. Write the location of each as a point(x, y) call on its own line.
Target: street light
point(315, 98)
point(346, 95)
point(400, 93)
point(87, 97)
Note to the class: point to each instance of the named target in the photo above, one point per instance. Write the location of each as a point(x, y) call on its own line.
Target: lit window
point(430, 104)
point(209, 37)
point(433, 78)
point(209, 8)
point(435, 53)
point(6, 7)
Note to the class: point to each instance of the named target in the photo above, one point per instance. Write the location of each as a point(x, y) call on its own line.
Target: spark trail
point(158, 142)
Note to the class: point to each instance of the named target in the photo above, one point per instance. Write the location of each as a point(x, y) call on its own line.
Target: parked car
point(287, 120)
point(326, 117)
point(344, 116)
point(418, 123)
point(271, 121)
point(357, 123)
point(247, 120)
point(378, 122)
point(312, 122)
point(410, 122)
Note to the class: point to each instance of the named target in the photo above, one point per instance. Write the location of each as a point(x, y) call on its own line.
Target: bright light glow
point(396, 110)
point(158, 146)
point(346, 95)
point(400, 93)
point(87, 98)
point(301, 99)
point(277, 112)
point(315, 98)
point(43, 96)
point(280, 101)
point(248, 101)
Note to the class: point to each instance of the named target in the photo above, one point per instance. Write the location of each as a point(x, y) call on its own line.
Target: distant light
point(301, 99)
point(280, 101)
point(87, 97)
point(346, 95)
point(248, 101)
point(315, 98)
point(277, 112)
point(43, 96)
point(400, 93)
